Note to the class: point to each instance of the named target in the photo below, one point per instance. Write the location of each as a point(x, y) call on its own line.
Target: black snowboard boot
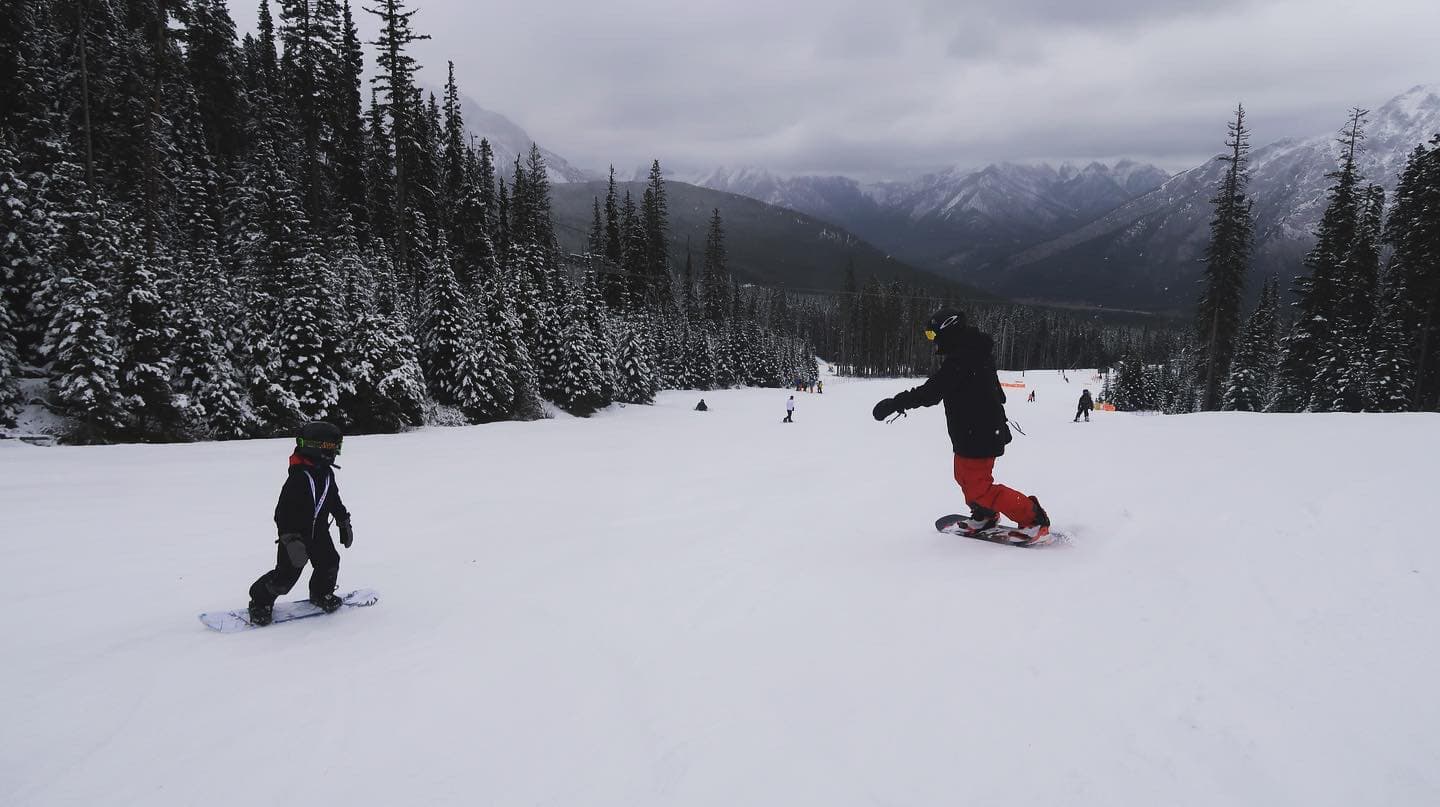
point(260, 614)
point(327, 602)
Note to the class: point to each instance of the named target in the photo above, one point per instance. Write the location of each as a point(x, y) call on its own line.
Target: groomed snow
point(664, 607)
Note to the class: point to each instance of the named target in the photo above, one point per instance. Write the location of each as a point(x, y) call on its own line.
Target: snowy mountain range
point(1121, 234)
point(959, 220)
point(1147, 250)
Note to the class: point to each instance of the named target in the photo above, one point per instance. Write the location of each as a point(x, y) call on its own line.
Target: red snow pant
point(975, 475)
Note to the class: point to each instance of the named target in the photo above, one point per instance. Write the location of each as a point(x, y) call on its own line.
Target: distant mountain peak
point(509, 141)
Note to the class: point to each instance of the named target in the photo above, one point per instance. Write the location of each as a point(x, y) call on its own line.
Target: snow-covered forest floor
point(663, 607)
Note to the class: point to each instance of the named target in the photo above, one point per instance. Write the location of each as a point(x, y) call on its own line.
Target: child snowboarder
point(302, 516)
point(789, 410)
point(1084, 407)
point(969, 385)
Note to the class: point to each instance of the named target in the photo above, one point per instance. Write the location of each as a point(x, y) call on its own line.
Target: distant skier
point(701, 407)
point(789, 410)
point(1031, 399)
point(1084, 407)
point(975, 415)
point(819, 387)
point(302, 517)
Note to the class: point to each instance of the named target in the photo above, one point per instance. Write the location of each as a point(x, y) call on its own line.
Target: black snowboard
point(995, 535)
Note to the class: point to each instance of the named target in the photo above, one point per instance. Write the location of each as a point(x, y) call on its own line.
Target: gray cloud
point(890, 88)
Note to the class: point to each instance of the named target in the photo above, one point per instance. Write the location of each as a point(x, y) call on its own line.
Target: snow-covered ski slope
point(664, 607)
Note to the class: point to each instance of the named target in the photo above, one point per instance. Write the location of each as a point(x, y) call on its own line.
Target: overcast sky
point(888, 88)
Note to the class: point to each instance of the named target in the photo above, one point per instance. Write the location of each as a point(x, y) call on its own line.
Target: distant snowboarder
point(701, 407)
point(1084, 407)
point(302, 517)
point(1031, 399)
point(975, 415)
point(789, 410)
point(819, 387)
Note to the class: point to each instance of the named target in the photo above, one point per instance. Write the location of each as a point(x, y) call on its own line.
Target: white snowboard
point(236, 621)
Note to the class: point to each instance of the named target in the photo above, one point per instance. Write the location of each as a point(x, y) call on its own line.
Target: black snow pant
point(1082, 411)
point(319, 551)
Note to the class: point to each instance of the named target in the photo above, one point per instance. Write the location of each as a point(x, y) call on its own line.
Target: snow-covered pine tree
point(636, 249)
point(1391, 376)
point(715, 273)
point(636, 379)
point(394, 76)
point(569, 360)
point(1318, 294)
point(386, 388)
point(216, 403)
point(309, 336)
point(146, 342)
point(1251, 372)
point(655, 223)
point(1227, 262)
point(80, 342)
point(496, 347)
point(598, 323)
point(23, 222)
point(1344, 361)
point(475, 256)
point(1413, 231)
point(447, 344)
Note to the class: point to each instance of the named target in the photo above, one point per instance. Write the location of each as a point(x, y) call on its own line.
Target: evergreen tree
point(214, 65)
point(1343, 380)
point(1390, 375)
point(395, 77)
point(614, 250)
point(80, 342)
point(497, 351)
point(654, 221)
point(635, 250)
point(385, 389)
point(1227, 261)
point(595, 242)
point(1252, 371)
point(447, 348)
point(146, 344)
point(715, 274)
point(1319, 294)
point(352, 192)
point(1413, 231)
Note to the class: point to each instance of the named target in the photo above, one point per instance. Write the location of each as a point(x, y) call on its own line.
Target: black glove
point(347, 535)
point(886, 408)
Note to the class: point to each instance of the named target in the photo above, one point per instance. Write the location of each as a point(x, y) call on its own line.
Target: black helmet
point(319, 441)
point(945, 326)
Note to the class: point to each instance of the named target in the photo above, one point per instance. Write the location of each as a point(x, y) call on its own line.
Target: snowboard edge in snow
point(239, 620)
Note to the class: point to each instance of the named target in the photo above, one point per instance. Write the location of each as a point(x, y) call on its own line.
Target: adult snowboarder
point(789, 410)
point(969, 385)
point(701, 407)
point(1084, 407)
point(302, 516)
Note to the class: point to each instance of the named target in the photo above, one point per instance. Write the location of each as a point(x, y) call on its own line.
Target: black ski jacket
point(974, 401)
point(308, 498)
point(1086, 404)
